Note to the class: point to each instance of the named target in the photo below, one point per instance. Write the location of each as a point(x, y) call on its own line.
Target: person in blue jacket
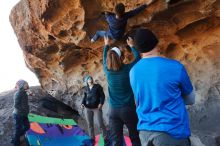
point(117, 21)
point(121, 98)
point(162, 88)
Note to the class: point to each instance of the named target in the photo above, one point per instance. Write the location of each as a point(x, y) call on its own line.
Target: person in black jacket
point(20, 112)
point(93, 101)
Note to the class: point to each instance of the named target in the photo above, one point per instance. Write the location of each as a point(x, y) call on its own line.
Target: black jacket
point(21, 106)
point(94, 97)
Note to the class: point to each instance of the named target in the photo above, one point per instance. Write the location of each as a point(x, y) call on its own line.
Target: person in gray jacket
point(21, 110)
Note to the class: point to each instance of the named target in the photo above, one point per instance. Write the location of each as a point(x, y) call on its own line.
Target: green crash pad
point(50, 120)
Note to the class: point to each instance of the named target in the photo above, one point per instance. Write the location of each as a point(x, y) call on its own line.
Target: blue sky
point(12, 62)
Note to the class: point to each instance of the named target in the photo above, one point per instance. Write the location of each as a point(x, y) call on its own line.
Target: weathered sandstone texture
point(54, 36)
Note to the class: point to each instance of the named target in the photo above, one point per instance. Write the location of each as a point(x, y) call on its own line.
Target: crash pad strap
point(42, 119)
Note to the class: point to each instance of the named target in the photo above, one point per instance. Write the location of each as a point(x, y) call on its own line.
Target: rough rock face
point(54, 36)
point(37, 105)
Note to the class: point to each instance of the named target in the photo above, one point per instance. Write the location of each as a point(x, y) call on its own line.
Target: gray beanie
point(20, 84)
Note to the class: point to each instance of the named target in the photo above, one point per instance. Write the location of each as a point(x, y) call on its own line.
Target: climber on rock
point(117, 21)
point(21, 110)
point(92, 102)
point(121, 98)
point(161, 89)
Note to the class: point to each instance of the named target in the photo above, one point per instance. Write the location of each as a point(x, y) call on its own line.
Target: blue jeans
point(21, 126)
point(102, 33)
point(118, 117)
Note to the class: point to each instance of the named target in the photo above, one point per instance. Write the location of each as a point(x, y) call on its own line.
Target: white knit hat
point(117, 50)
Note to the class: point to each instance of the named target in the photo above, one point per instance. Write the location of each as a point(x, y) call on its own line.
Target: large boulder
point(54, 36)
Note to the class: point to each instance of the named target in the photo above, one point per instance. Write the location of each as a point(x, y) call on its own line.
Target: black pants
point(21, 126)
point(117, 118)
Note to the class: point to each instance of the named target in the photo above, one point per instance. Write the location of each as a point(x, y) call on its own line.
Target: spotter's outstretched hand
point(130, 42)
point(106, 40)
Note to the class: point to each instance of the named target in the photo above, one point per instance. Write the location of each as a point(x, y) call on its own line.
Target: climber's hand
point(106, 40)
point(150, 2)
point(130, 42)
point(100, 107)
point(104, 13)
point(107, 13)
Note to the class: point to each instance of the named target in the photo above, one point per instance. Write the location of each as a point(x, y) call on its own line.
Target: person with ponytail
point(122, 109)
